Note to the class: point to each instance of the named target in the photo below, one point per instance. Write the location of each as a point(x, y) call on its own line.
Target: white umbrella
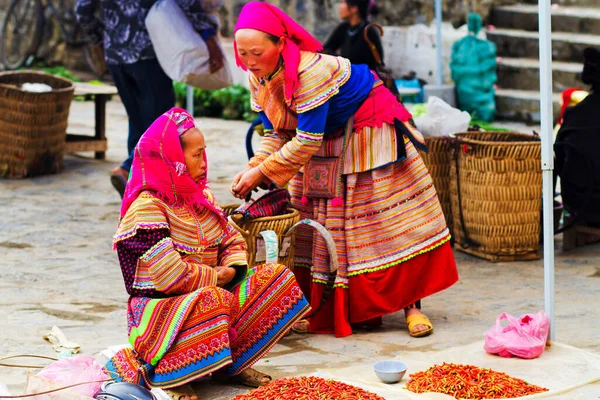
point(545, 43)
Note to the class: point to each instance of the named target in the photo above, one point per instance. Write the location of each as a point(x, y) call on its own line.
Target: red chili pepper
point(308, 388)
point(470, 382)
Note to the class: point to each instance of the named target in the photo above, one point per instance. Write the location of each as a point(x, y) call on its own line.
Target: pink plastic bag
point(78, 369)
point(524, 337)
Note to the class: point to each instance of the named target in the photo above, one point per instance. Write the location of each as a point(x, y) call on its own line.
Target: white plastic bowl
point(390, 371)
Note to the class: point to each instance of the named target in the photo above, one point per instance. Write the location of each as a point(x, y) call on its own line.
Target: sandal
point(178, 392)
point(249, 377)
point(305, 326)
point(418, 319)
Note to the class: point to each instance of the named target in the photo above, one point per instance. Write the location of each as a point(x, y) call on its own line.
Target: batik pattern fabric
point(181, 325)
point(390, 232)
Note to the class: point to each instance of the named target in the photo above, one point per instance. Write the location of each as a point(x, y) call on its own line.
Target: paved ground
point(58, 268)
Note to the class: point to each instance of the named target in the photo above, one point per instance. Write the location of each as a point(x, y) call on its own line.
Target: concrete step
point(564, 19)
point(580, 3)
point(524, 74)
point(517, 43)
point(522, 105)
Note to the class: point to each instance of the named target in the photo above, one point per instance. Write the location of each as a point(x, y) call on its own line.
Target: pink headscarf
point(267, 18)
point(159, 166)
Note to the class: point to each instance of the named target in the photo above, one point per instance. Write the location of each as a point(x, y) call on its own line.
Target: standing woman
point(381, 208)
point(348, 41)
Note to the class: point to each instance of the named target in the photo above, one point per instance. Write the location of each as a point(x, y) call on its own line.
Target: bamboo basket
point(439, 162)
point(496, 190)
point(251, 229)
point(33, 126)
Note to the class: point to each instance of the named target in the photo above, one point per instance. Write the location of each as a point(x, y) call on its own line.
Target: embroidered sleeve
point(162, 269)
point(282, 165)
point(320, 78)
point(233, 253)
point(254, 104)
point(270, 143)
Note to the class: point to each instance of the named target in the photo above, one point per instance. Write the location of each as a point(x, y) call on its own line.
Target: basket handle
point(245, 234)
point(333, 258)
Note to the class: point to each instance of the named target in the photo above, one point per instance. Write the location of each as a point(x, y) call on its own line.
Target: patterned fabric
point(320, 78)
point(123, 29)
point(181, 325)
point(159, 166)
point(180, 339)
point(272, 203)
point(390, 217)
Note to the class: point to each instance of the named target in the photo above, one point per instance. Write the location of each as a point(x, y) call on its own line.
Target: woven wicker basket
point(33, 126)
point(497, 193)
point(439, 162)
point(251, 230)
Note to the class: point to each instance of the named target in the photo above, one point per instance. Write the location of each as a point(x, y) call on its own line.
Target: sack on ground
point(524, 337)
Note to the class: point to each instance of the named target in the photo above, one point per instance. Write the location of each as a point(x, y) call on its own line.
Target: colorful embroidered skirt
point(179, 339)
point(391, 239)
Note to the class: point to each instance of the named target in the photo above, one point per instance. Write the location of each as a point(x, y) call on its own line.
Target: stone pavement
point(57, 268)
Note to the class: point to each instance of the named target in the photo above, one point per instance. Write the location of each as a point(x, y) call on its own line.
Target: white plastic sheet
point(562, 369)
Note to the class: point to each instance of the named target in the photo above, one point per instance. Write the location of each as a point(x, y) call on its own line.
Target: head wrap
point(159, 166)
point(267, 18)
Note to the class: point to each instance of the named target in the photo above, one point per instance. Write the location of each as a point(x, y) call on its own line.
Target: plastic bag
point(473, 68)
point(524, 337)
point(78, 369)
point(180, 50)
point(442, 119)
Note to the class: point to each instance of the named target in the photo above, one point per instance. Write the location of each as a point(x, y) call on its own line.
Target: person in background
point(144, 88)
point(348, 41)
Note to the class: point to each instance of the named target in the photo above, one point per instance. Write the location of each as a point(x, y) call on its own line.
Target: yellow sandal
point(305, 327)
point(418, 319)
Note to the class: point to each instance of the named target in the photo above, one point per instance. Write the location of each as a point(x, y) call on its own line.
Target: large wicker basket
point(496, 190)
point(33, 126)
point(280, 224)
point(439, 162)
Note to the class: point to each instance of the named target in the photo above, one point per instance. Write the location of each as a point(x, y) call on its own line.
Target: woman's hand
point(246, 181)
point(215, 54)
point(224, 275)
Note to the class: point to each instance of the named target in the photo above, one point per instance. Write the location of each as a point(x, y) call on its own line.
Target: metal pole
point(439, 44)
point(545, 42)
point(189, 100)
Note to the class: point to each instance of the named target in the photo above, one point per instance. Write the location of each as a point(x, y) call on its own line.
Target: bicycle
point(26, 24)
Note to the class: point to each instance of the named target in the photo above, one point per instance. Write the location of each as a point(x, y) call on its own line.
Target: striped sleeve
point(271, 142)
point(162, 269)
point(283, 164)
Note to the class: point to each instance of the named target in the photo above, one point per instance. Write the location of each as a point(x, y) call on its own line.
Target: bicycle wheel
point(94, 57)
point(21, 33)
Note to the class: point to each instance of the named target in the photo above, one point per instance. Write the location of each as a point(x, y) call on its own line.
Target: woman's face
point(258, 52)
point(193, 146)
point(346, 11)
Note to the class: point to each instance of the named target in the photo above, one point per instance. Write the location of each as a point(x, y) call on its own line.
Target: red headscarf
point(267, 18)
point(159, 166)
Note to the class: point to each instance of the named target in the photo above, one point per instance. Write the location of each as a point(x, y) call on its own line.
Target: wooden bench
point(97, 143)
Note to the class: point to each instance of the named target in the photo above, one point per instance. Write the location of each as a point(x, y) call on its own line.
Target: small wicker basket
point(33, 126)
point(251, 229)
point(439, 162)
point(496, 193)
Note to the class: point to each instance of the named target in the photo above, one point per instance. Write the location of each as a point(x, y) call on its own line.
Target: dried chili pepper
point(308, 388)
point(470, 382)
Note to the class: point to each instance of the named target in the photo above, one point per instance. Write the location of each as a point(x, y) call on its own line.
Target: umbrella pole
point(545, 43)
